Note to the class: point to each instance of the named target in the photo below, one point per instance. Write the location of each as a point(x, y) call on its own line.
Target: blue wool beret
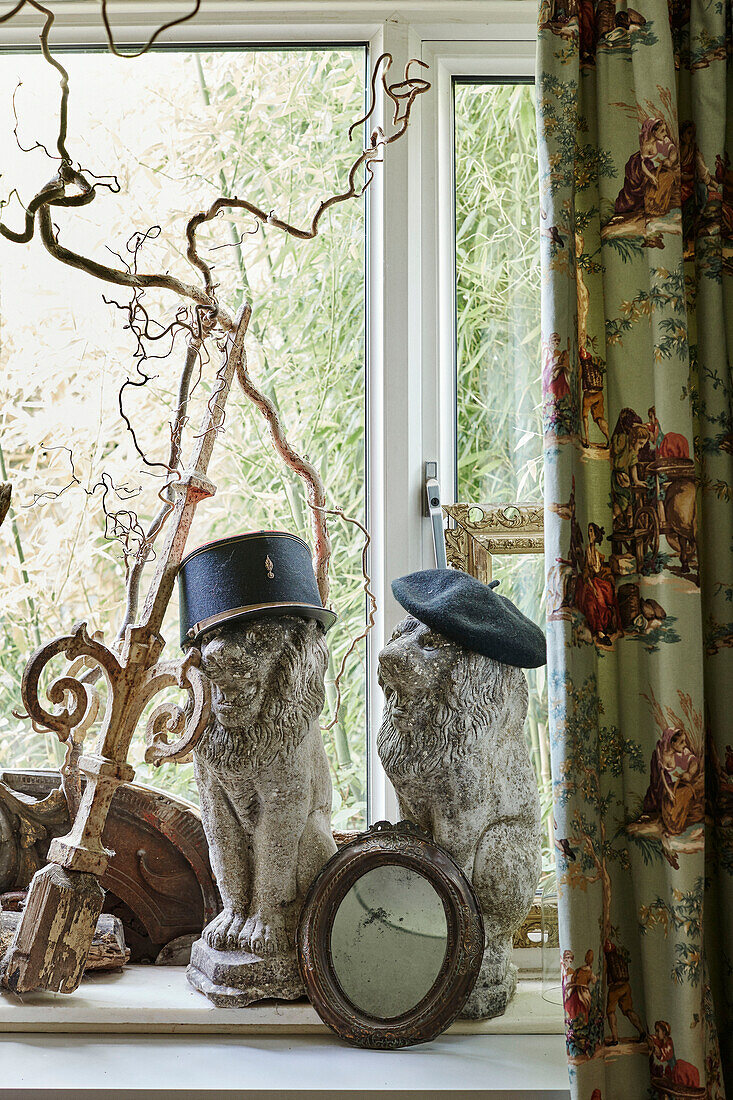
point(472, 614)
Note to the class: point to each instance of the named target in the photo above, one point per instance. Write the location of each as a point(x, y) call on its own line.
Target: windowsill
point(145, 1033)
point(159, 1000)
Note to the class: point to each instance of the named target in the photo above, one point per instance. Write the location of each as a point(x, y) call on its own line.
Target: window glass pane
point(180, 128)
point(499, 424)
point(522, 578)
point(498, 361)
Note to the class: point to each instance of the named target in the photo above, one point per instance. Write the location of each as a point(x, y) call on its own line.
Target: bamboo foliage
point(271, 125)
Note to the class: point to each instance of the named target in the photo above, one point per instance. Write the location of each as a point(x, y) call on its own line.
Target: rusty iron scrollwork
point(170, 720)
point(79, 698)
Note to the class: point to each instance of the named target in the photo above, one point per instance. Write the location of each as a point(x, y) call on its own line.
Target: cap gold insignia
point(269, 567)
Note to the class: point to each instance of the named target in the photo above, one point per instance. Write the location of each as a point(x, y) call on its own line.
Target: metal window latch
point(434, 513)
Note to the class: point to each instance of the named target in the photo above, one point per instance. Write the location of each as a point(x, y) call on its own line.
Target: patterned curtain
point(635, 110)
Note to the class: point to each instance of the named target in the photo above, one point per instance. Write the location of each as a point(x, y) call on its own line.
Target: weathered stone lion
point(452, 744)
point(265, 791)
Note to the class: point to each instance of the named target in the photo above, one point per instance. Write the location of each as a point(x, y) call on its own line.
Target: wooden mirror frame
point(404, 845)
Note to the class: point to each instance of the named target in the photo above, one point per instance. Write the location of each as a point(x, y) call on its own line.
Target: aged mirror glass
point(390, 939)
point(393, 914)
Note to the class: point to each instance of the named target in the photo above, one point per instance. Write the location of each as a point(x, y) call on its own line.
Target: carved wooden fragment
point(158, 881)
point(28, 819)
point(160, 870)
point(108, 950)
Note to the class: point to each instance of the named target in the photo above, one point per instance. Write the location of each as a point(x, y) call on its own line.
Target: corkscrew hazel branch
point(372, 605)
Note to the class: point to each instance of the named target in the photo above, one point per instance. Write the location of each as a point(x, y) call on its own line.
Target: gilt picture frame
point(481, 531)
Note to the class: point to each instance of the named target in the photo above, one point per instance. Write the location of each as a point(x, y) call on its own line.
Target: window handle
point(434, 513)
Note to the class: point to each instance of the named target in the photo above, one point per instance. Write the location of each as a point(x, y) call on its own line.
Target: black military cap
point(473, 615)
point(244, 577)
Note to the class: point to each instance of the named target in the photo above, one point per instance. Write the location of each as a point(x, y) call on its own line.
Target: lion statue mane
point(452, 744)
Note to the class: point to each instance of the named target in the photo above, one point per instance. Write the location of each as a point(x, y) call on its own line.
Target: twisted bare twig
point(372, 606)
point(402, 94)
point(193, 354)
point(315, 488)
point(153, 37)
point(122, 525)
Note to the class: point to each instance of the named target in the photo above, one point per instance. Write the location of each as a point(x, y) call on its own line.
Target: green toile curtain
point(635, 115)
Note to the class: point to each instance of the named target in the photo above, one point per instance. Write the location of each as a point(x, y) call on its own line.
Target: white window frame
point(411, 321)
point(410, 244)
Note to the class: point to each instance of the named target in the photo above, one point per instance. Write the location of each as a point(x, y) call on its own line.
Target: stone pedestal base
point(233, 979)
point(496, 983)
point(489, 997)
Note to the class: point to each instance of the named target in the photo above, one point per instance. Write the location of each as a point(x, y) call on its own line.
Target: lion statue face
point(240, 664)
point(415, 666)
point(442, 701)
point(267, 679)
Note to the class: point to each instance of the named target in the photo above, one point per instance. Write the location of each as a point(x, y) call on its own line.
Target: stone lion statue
point(452, 744)
point(265, 790)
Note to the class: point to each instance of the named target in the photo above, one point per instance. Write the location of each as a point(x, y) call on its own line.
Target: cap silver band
point(223, 616)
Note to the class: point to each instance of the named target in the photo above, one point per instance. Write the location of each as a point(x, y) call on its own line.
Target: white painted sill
point(146, 1033)
point(159, 1000)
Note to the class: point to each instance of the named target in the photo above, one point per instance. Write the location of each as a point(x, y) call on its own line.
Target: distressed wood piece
point(28, 819)
point(160, 869)
point(50, 946)
point(108, 950)
point(13, 901)
point(483, 530)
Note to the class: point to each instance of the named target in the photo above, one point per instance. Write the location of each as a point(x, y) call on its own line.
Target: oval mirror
point(390, 939)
